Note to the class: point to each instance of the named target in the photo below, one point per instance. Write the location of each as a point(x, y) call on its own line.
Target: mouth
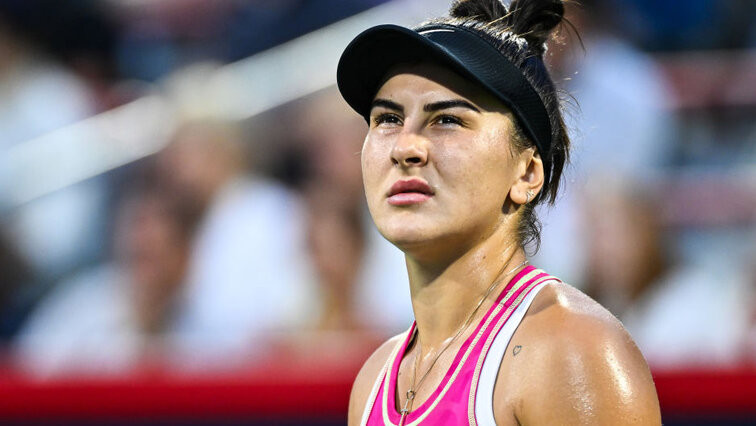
point(409, 191)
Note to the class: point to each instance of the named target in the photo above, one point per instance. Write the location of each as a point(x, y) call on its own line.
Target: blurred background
point(183, 235)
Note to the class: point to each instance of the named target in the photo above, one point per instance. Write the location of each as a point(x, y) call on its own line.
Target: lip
point(409, 191)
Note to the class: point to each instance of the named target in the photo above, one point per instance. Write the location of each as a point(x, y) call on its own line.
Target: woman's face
point(437, 162)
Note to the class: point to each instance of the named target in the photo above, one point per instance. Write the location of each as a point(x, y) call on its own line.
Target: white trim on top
point(484, 414)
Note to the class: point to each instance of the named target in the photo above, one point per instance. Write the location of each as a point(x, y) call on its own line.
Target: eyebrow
point(385, 103)
point(455, 103)
point(435, 106)
point(432, 107)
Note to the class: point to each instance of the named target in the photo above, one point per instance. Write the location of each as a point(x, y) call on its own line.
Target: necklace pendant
point(405, 410)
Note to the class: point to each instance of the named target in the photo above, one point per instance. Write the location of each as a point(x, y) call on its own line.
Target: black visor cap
point(369, 57)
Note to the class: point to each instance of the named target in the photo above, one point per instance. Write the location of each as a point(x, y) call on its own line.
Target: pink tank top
point(465, 394)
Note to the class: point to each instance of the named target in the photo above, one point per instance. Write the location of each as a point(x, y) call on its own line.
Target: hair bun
point(483, 10)
point(533, 20)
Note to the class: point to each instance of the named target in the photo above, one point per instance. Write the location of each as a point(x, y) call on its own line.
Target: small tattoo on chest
point(516, 350)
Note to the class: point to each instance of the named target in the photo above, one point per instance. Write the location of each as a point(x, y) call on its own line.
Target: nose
point(410, 149)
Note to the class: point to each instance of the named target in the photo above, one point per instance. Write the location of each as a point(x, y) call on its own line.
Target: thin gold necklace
point(413, 388)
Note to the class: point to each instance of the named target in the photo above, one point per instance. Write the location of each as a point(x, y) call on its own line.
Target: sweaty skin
point(570, 361)
point(576, 365)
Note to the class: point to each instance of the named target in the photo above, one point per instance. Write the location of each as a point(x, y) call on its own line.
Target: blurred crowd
point(244, 235)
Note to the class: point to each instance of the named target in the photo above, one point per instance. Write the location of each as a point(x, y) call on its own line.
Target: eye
point(387, 119)
point(448, 120)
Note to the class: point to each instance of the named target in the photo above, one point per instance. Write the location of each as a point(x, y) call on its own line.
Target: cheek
point(498, 165)
point(480, 168)
point(372, 160)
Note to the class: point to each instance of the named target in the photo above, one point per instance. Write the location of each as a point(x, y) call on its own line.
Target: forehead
point(417, 79)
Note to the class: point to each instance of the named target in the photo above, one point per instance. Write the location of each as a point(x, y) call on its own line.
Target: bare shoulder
point(576, 364)
point(367, 376)
point(561, 307)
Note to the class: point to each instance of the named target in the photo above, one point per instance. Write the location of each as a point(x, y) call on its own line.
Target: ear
point(528, 178)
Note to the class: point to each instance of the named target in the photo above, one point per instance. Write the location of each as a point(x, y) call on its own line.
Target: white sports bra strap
point(484, 413)
point(379, 381)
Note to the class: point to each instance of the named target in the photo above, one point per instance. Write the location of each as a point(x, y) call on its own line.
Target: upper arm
point(583, 368)
point(601, 382)
point(363, 384)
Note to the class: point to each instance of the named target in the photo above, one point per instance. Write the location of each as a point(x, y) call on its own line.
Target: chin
point(411, 235)
point(403, 232)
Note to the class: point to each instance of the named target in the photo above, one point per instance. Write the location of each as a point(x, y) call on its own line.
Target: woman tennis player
point(465, 138)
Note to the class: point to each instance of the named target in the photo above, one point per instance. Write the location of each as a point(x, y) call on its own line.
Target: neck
point(444, 296)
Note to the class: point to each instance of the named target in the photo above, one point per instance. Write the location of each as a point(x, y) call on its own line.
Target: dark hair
point(520, 33)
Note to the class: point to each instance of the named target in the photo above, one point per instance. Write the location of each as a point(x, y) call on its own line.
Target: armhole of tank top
point(379, 381)
point(373, 395)
point(484, 414)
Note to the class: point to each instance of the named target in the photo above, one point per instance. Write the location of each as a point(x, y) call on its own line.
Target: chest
point(464, 393)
